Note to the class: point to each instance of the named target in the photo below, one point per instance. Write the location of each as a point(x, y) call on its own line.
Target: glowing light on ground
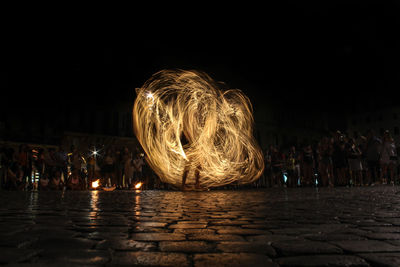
point(95, 184)
point(138, 185)
point(174, 105)
point(112, 188)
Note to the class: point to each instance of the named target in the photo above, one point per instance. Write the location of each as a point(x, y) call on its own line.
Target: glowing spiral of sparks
point(184, 121)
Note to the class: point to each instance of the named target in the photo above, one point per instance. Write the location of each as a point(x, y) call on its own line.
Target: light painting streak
point(217, 124)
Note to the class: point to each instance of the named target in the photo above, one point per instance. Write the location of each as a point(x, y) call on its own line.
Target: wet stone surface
point(269, 227)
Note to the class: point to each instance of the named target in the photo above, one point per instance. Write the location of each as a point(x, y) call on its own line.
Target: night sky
point(321, 56)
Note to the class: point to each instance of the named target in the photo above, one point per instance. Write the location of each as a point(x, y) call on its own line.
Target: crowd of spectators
point(334, 160)
point(31, 168)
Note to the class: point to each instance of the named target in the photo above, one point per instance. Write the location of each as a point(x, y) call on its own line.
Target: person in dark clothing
point(339, 159)
point(277, 164)
point(325, 162)
point(372, 156)
point(308, 165)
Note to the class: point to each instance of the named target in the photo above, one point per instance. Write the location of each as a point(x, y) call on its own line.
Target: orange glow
point(96, 183)
point(217, 125)
point(138, 185)
point(112, 188)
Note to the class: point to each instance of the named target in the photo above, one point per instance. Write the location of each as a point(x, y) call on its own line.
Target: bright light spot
point(96, 183)
point(138, 185)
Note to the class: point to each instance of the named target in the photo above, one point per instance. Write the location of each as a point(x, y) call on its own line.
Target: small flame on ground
point(138, 185)
point(95, 184)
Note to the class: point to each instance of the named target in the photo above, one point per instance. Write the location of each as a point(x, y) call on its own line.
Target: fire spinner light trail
point(184, 121)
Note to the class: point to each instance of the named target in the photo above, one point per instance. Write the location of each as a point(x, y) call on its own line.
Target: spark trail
point(178, 105)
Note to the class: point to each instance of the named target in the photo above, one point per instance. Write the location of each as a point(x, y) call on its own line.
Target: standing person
point(40, 163)
point(125, 156)
point(7, 161)
point(277, 161)
point(108, 167)
point(307, 166)
point(119, 168)
point(355, 164)
point(44, 183)
point(62, 161)
point(372, 156)
point(74, 181)
point(365, 171)
point(91, 164)
point(128, 169)
point(149, 175)
point(138, 163)
point(327, 150)
point(55, 181)
point(2, 166)
point(15, 177)
point(268, 167)
point(24, 161)
point(388, 158)
point(196, 175)
point(76, 161)
point(340, 162)
point(292, 167)
point(50, 161)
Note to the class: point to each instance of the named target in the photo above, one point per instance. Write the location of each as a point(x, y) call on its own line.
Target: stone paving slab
point(14, 255)
point(382, 259)
point(186, 246)
point(232, 260)
point(289, 248)
point(249, 247)
point(268, 227)
point(323, 260)
point(149, 259)
point(355, 246)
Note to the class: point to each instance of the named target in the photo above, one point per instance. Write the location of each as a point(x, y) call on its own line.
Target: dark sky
point(322, 55)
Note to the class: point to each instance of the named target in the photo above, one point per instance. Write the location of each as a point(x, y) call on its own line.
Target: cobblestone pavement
point(271, 227)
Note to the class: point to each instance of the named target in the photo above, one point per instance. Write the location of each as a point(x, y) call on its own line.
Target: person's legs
point(273, 180)
point(106, 177)
point(340, 176)
point(290, 178)
point(310, 175)
point(331, 180)
point(346, 176)
point(371, 172)
point(384, 173)
point(184, 176)
point(197, 176)
point(390, 171)
point(360, 177)
point(306, 175)
point(324, 174)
